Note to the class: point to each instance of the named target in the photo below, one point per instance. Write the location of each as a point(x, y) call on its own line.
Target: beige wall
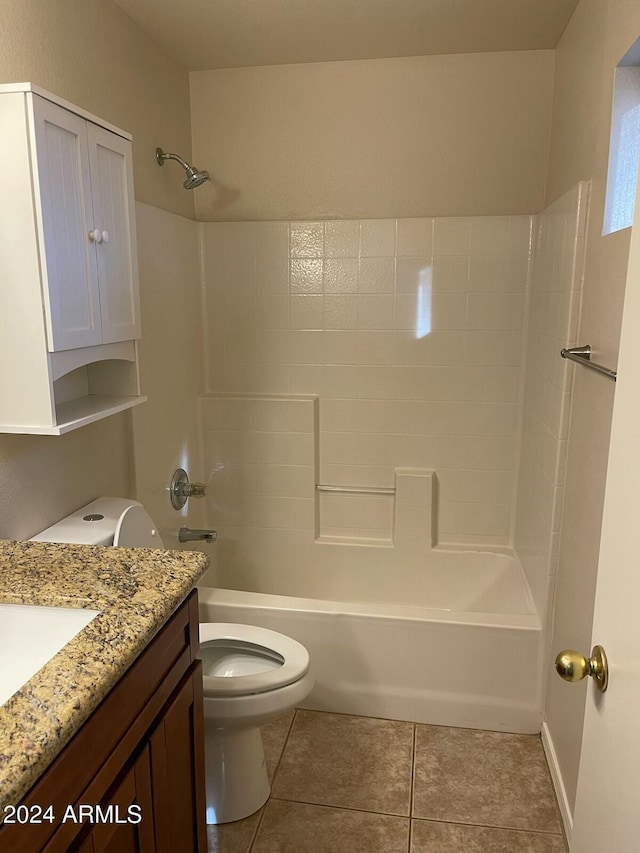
point(43, 478)
point(599, 34)
point(460, 135)
point(90, 53)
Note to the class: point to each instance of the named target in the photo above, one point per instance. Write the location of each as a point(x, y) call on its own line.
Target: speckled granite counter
point(135, 590)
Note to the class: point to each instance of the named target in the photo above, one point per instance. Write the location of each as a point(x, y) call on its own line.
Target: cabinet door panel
point(69, 271)
point(117, 835)
point(177, 770)
point(111, 182)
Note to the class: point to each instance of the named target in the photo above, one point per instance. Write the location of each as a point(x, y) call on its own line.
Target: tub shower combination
point(396, 626)
point(401, 518)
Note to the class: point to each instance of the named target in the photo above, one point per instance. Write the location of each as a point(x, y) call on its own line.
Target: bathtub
point(460, 646)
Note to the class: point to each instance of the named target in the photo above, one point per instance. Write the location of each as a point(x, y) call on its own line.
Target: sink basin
point(31, 636)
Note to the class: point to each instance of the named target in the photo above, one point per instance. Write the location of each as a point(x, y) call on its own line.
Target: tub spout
point(186, 534)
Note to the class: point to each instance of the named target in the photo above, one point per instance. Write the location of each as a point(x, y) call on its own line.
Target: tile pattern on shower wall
point(261, 456)
point(556, 293)
point(410, 333)
point(261, 453)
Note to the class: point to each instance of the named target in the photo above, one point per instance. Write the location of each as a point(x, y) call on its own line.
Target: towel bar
point(358, 490)
point(582, 355)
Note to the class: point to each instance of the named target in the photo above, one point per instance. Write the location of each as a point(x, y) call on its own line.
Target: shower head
point(194, 177)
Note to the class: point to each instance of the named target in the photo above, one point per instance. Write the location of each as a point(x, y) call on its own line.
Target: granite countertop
point(135, 590)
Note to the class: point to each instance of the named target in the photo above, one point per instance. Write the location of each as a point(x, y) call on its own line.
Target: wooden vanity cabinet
point(141, 753)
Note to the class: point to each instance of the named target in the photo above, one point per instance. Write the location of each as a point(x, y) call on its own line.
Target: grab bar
point(582, 355)
point(358, 490)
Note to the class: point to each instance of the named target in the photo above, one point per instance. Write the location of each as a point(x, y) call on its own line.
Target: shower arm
point(161, 156)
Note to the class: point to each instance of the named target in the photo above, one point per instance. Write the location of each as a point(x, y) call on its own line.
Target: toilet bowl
point(250, 675)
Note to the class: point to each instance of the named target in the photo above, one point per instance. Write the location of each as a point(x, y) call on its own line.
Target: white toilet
point(251, 675)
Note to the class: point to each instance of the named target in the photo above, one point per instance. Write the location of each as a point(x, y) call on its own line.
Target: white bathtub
point(460, 647)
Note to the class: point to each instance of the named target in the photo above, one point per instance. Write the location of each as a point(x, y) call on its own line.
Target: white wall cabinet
point(69, 297)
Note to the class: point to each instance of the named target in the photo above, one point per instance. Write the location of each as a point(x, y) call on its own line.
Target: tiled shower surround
point(410, 334)
point(556, 293)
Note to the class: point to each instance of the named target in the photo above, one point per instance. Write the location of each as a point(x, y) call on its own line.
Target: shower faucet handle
point(180, 489)
point(192, 490)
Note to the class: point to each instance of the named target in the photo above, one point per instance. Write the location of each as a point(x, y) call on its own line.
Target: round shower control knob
point(180, 489)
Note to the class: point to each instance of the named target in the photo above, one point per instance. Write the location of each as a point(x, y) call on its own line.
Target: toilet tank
point(105, 521)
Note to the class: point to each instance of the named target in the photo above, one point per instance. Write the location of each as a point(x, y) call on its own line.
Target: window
point(624, 147)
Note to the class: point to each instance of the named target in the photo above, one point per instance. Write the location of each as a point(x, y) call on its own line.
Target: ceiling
point(207, 34)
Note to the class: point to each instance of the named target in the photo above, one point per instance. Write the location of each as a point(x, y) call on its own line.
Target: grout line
point(413, 777)
point(540, 832)
point(342, 808)
point(284, 745)
point(546, 832)
point(264, 807)
point(412, 820)
point(258, 825)
point(365, 717)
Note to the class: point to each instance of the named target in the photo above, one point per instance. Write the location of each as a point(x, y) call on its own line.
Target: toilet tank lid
point(93, 524)
point(136, 529)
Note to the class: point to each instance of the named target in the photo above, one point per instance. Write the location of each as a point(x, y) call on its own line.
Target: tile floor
point(343, 784)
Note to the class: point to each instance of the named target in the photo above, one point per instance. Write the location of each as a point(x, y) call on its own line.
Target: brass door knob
point(572, 666)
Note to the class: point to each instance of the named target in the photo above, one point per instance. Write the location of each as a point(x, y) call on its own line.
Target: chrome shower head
point(194, 177)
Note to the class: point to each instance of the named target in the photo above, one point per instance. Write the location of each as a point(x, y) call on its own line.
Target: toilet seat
point(267, 646)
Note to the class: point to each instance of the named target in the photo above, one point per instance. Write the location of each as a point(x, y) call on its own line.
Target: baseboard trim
point(558, 784)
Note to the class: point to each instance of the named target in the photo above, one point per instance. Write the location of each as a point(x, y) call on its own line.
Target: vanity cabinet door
point(69, 266)
point(177, 770)
point(121, 833)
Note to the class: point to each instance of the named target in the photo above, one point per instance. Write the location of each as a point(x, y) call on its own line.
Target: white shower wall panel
point(556, 293)
point(409, 332)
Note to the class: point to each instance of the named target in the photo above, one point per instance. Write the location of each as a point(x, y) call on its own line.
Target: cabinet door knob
point(105, 236)
point(95, 236)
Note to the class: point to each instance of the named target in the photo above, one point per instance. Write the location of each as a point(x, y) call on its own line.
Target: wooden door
point(69, 269)
point(114, 217)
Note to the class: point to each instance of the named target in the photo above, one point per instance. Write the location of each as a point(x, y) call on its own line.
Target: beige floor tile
point(351, 762)
point(300, 828)
point(478, 777)
point(233, 837)
point(274, 736)
point(431, 837)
